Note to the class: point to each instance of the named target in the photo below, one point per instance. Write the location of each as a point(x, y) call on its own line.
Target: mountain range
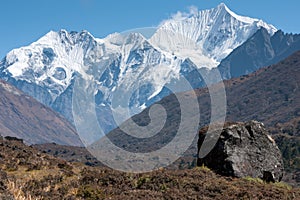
point(145, 69)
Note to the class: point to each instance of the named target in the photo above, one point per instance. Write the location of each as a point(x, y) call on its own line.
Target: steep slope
point(207, 36)
point(269, 95)
point(24, 117)
point(262, 49)
point(143, 68)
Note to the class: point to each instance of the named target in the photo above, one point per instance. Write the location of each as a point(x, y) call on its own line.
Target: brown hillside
point(23, 117)
point(270, 95)
point(25, 173)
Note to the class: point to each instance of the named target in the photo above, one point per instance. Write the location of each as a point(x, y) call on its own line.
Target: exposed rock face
point(244, 149)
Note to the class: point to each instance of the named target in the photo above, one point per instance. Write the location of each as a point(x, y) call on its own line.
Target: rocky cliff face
point(244, 149)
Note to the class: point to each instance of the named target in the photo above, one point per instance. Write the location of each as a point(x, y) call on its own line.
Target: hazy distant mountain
point(24, 117)
point(262, 49)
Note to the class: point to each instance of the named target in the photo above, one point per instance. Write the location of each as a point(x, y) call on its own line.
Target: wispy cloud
point(192, 10)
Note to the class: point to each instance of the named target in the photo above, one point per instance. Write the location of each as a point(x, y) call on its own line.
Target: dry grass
point(52, 179)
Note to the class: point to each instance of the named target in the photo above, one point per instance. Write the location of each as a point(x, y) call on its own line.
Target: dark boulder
point(244, 149)
point(10, 138)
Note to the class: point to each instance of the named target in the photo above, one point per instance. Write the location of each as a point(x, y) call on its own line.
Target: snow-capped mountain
point(52, 60)
point(208, 36)
point(141, 69)
point(46, 69)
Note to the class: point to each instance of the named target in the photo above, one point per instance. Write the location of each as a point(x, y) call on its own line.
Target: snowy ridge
point(207, 36)
point(52, 60)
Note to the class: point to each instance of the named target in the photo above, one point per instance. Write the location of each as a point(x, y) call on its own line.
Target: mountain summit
point(207, 36)
point(127, 64)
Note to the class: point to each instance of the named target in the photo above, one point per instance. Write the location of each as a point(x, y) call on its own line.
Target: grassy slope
point(25, 173)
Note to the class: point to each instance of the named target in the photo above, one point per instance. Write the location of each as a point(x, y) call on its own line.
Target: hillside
point(270, 95)
point(69, 153)
point(25, 173)
point(24, 117)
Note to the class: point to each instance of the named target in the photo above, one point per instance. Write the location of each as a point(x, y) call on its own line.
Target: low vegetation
point(25, 173)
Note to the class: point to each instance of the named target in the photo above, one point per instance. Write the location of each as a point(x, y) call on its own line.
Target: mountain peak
point(135, 38)
point(222, 6)
point(73, 37)
point(208, 35)
point(226, 10)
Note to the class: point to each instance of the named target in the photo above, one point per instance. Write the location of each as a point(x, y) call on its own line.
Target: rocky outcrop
point(244, 149)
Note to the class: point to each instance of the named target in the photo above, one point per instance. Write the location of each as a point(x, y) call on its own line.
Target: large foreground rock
point(244, 149)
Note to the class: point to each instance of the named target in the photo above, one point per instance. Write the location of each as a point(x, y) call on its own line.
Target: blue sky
point(24, 21)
